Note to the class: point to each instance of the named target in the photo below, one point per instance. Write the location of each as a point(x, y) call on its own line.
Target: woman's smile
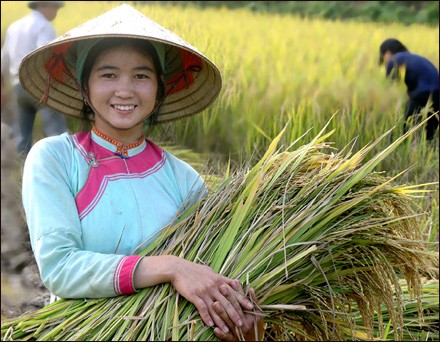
point(124, 108)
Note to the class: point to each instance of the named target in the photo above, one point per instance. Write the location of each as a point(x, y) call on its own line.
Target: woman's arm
point(66, 268)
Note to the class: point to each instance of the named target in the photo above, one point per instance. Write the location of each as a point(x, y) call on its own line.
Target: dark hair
point(392, 45)
point(141, 45)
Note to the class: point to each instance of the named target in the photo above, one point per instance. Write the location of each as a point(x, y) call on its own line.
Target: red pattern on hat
point(56, 66)
point(191, 63)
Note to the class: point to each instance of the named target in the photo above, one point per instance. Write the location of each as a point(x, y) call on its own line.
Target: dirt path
point(21, 287)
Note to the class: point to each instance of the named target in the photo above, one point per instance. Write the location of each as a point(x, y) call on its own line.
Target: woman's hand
point(251, 330)
point(202, 286)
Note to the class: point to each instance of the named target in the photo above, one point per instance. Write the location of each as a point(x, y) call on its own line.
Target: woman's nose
point(124, 88)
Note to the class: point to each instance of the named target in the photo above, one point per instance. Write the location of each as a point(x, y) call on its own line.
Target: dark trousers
point(54, 123)
point(416, 104)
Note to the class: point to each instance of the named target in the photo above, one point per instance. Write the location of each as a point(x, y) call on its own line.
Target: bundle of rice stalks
point(322, 238)
point(414, 329)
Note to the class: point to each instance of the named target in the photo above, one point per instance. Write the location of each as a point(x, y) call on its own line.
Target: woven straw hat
point(191, 80)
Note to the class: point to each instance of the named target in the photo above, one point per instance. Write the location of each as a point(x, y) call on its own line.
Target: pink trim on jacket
point(106, 167)
point(123, 277)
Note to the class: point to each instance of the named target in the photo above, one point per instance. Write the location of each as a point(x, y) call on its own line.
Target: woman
point(93, 197)
point(421, 78)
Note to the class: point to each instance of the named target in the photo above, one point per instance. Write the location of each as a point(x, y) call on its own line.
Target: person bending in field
point(421, 78)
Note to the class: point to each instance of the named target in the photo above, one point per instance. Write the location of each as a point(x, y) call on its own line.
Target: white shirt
point(22, 37)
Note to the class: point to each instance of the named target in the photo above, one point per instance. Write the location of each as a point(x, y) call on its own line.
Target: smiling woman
point(110, 189)
point(123, 86)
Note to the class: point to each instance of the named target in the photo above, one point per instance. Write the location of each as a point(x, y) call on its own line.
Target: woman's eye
point(108, 75)
point(141, 76)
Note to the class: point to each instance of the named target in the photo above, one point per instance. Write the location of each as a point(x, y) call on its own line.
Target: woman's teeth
point(124, 107)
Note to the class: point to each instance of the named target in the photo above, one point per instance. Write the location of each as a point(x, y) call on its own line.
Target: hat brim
point(65, 96)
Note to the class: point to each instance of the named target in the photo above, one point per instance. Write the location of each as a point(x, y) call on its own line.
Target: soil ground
point(21, 286)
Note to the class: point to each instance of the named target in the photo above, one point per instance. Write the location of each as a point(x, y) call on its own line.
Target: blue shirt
point(420, 74)
point(90, 201)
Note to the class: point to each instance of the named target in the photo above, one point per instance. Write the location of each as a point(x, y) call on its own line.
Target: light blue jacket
point(89, 203)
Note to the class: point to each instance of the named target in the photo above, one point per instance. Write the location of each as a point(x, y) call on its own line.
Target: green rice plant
point(323, 239)
point(414, 329)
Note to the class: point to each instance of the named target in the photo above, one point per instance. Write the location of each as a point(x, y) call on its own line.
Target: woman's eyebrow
point(144, 67)
point(104, 67)
point(138, 68)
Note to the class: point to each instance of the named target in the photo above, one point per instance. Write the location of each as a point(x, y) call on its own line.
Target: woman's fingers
point(221, 334)
point(252, 329)
point(230, 303)
point(234, 302)
point(203, 309)
point(241, 296)
point(231, 313)
point(258, 324)
point(209, 315)
point(220, 322)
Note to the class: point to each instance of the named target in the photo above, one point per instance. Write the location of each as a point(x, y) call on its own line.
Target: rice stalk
point(323, 239)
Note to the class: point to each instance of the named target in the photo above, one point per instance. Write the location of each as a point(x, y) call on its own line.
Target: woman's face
point(387, 57)
point(122, 89)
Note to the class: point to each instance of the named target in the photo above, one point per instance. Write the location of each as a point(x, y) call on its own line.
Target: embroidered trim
point(120, 148)
point(141, 165)
point(76, 142)
point(102, 181)
point(123, 277)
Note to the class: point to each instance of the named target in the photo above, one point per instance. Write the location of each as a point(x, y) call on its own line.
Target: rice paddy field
point(283, 70)
point(298, 74)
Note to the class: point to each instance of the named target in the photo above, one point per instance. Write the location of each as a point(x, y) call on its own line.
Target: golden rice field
point(280, 70)
point(283, 71)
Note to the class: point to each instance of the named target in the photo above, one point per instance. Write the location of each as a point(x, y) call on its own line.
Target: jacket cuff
point(123, 277)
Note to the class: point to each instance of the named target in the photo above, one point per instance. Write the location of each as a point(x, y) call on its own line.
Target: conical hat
point(192, 81)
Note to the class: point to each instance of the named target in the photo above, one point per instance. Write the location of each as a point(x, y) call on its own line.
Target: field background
point(280, 69)
point(277, 69)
